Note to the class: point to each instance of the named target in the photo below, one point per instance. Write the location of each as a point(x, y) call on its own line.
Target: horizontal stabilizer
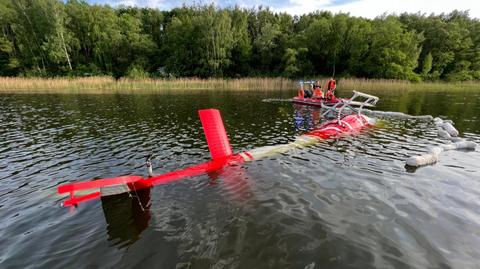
point(95, 184)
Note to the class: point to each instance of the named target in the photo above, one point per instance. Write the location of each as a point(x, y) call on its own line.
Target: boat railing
point(308, 82)
point(352, 103)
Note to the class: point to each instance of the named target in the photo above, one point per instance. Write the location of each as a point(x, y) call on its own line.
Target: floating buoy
point(444, 134)
point(450, 129)
point(422, 160)
point(445, 130)
point(434, 153)
point(395, 115)
point(446, 125)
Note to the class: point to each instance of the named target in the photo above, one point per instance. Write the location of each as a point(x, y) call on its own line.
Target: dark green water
point(347, 203)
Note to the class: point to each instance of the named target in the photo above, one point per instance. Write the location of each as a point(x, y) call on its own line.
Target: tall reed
point(109, 85)
point(376, 85)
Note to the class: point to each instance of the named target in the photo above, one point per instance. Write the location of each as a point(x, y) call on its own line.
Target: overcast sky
point(364, 8)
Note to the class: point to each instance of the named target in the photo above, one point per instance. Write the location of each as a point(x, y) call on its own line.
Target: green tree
point(32, 26)
point(242, 47)
point(60, 42)
point(132, 47)
point(427, 65)
point(9, 63)
point(199, 43)
point(293, 62)
point(73, 37)
point(264, 31)
point(449, 39)
point(393, 50)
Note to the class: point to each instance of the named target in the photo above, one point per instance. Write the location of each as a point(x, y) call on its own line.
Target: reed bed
point(382, 85)
point(110, 85)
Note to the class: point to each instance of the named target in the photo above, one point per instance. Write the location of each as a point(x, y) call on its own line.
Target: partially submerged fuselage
point(221, 152)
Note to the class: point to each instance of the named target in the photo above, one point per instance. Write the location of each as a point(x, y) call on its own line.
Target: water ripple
point(344, 203)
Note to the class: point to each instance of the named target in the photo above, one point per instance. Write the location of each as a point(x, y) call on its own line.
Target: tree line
point(73, 38)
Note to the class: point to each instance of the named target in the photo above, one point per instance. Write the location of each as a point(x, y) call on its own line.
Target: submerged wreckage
point(348, 119)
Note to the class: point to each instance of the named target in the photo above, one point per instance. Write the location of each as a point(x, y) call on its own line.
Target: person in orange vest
point(301, 92)
point(317, 90)
point(331, 86)
point(304, 93)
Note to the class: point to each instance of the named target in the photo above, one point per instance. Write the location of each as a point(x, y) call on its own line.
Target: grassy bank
point(108, 85)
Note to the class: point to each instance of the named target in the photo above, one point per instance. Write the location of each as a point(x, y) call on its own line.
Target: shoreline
point(107, 85)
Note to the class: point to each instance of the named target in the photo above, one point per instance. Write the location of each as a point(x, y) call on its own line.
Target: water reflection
point(127, 215)
point(235, 182)
point(306, 117)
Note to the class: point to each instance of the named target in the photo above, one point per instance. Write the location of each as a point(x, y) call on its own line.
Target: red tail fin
point(215, 133)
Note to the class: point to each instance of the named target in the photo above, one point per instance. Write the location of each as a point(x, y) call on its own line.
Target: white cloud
point(161, 4)
point(364, 8)
point(298, 7)
point(373, 8)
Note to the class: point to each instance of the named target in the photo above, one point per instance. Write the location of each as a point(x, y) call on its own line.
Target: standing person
point(331, 86)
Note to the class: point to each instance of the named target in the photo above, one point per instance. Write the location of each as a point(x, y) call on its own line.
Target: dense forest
point(73, 38)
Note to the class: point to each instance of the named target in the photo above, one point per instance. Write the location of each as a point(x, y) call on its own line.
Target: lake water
point(346, 203)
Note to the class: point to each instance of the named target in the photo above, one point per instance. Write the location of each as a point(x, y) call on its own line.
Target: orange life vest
point(331, 84)
point(301, 93)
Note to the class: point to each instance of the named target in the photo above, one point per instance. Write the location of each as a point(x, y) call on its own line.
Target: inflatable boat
point(316, 101)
